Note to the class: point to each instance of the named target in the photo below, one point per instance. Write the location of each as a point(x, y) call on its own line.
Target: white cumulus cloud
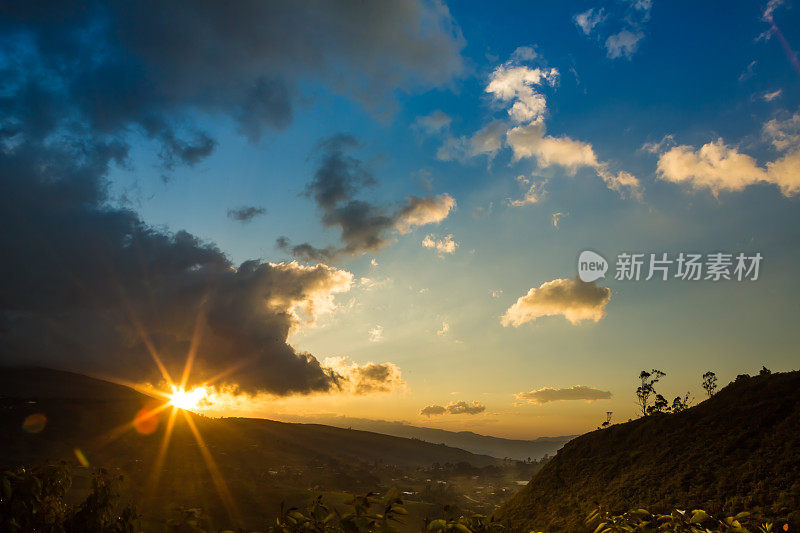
point(454, 408)
point(433, 123)
point(376, 334)
point(623, 44)
point(517, 85)
point(719, 167)
point(590, 18)
point(550, 394)
point(571, 298)
point(771, 95)
point(423, 211)
point(369, 378)
point(443, 245)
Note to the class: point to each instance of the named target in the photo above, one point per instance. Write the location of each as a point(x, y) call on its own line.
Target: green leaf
point(437, 525)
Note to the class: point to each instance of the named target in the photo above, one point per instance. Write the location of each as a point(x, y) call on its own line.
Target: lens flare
point(188, 400)
point(35, 423)
point(146, 420)
point(81, 457)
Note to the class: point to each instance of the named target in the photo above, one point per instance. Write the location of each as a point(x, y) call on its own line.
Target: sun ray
point(117, 432)
point(231, 369)
point(195, 344)
point(147, 389)
point(151, 349)
point(179, 399)
point(216, 475)
point(137, 324)
point(155, 475)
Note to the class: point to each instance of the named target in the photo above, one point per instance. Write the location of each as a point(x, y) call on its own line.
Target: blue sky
point(634, 90)
point(698, 73)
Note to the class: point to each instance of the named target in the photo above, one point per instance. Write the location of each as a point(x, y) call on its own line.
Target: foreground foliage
point(371, 513)
point(696, 521)
point(737, 450)
point(34, 500)
point(367, 513)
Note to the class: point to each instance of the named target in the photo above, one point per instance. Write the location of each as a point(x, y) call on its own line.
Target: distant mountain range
point(466, 440)
point(81, 411)
point(737, 451)
point(48, 416)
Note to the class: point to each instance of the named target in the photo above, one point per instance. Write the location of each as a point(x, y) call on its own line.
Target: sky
point(376, 211)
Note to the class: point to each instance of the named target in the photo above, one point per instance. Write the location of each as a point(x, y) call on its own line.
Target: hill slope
point(466, 440)
point(80, 409)
point(263, 462)
point(736, 451)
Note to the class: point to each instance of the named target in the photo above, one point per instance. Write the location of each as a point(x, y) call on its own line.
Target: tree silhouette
point(680, 404)
point(660, 405)
point(647, 388)
point(710, 383)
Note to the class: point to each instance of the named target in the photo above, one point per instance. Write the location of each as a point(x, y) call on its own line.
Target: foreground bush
point(34, 500)
point(696, 521)
point(372, 514)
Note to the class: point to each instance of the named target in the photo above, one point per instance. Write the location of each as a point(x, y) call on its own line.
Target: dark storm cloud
point(339, 176)
point(245, 213)
point(431, 410)
point(87, 287)
point(307, 252)
point(117, 64)
point(90, 287)
point(374, 378)
point(184, 151)
point(462, 407)
point(363, 226)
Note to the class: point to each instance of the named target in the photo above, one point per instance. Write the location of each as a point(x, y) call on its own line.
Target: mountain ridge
point(519, 449)
point(90, 424)
point(96, 387)
point(736, 451)
point(56, 388)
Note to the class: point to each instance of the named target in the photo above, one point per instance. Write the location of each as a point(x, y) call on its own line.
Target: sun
point(187, 399)
point(178, 401)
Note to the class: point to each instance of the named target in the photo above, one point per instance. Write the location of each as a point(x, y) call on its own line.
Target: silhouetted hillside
point(47, 384)
point(262, 462)
point(739, 450)
point(467, 440)
point(79, 408)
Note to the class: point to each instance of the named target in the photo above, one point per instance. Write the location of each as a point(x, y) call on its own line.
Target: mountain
point(737, 451)
point(82, 408)
point(466, 440)
point(48, 416)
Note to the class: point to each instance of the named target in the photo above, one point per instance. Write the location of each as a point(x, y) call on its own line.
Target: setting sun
point(184, 399)
point(407, 266)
